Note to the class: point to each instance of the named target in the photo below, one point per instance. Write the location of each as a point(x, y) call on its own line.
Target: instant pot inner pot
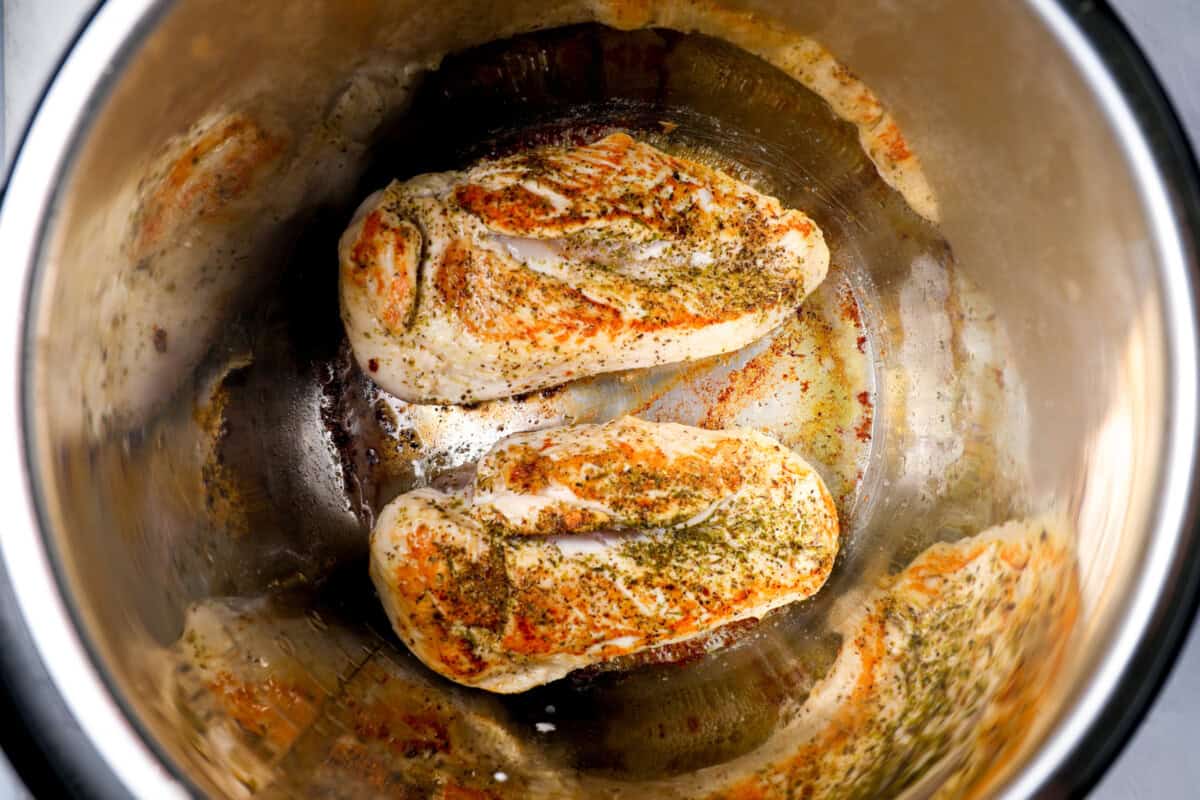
point(232, 456)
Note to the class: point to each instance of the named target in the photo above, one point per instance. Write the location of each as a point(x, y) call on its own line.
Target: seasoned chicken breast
point(578, 545)
point(531, 270)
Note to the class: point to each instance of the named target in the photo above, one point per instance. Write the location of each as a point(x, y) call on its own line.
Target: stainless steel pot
point(188, 428)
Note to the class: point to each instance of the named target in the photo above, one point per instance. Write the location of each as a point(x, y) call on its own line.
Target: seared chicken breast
point(577, 545)
point(527, 271)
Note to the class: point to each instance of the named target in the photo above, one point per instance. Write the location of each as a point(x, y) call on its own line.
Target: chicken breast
point(528, 271)
point(578, 545)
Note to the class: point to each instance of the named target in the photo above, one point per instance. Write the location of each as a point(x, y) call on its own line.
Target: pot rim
point(79, 734)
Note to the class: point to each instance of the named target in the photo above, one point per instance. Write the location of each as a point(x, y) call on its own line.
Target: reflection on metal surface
point(806, 61)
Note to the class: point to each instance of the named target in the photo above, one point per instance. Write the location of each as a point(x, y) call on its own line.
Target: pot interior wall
point(211, 458)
